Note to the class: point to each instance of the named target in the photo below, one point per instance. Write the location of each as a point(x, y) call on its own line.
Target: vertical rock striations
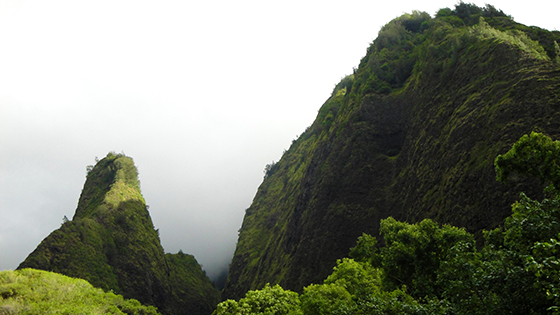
point(412, 134)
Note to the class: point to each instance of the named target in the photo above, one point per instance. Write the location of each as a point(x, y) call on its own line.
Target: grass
point(31, 291)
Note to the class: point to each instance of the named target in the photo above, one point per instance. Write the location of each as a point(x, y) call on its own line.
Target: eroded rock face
point(421, 149)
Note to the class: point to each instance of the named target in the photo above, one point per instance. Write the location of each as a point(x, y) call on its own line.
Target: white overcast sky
point(201, 94)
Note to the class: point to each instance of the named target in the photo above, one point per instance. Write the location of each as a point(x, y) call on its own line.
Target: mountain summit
point(412, 134)
point(111, 242)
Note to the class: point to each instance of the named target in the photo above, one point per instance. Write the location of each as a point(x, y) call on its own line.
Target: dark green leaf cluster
point(425, 268)
point(535, 155)
point(505, 275)
point(269, 300)
point(413, 253)
point(470, 13)
point(269, 169)
point(391, 57)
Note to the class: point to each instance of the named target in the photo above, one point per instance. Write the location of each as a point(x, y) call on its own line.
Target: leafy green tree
point(349, 283)
point(413, 254)
point(525, 249)
point(534, 155)
point(396, 302)
point(355, 288)
point(227, 307)
point(320, 299)
point(366, 250)
point(531, 221)
point(545, 264)
point(355, 277)
point(468, 12)
point(391, 57)
point(465, 281)
point(494, 280)
point(268, 301)
point(516, 270)
point(425, 268)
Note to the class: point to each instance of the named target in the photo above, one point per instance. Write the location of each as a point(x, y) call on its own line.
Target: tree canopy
point(427, 268)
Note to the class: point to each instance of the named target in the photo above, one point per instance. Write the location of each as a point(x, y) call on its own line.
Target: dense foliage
point(37, 292)
point(111, 242)
point(425, 268)
point(269, 300)
point(191, 289)
point(411, 134)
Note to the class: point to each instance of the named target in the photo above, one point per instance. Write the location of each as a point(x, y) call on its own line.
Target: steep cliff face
point(111, 242)
point(412, 134)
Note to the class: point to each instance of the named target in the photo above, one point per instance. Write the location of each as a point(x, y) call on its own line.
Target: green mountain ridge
point(111, 242)
point(412, 134)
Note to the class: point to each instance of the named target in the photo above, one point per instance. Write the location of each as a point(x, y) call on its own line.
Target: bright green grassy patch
point(515, 37)
point(31, 291)
point(121, 192)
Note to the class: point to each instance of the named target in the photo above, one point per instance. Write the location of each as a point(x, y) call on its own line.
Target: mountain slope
point(412, 134)
point(111, 242)
point(30, 291)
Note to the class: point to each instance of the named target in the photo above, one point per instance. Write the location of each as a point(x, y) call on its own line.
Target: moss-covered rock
point(111, 242)
point(414, 136)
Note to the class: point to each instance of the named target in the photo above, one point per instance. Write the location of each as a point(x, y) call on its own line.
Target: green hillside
point(411, 134)
point(37, 292)
point(428, 268)
point(111, 242)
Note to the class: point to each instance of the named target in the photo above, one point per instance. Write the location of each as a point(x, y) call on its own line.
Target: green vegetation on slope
point(412, 134)
point(191, 288)
point(111, 242)
point(425, 268)
point(37, 292)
